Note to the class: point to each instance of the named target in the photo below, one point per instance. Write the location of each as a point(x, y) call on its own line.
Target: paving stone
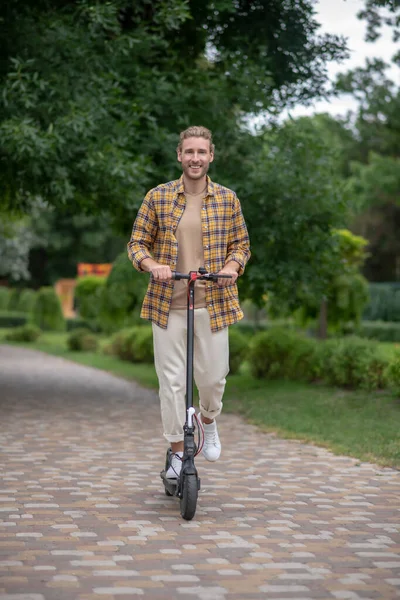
point(81, 518)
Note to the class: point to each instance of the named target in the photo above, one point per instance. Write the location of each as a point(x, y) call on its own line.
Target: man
point(181, 226)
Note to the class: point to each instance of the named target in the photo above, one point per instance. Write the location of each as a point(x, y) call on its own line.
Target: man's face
point(195, 157)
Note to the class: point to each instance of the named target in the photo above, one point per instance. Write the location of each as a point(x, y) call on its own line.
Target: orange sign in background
point(65, 291)
point(102, 270)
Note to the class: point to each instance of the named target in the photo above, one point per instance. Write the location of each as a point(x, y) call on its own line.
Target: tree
point(94, 92)
point(294, 200)
point(374, 166)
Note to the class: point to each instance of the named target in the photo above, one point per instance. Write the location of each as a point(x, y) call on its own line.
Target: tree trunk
point(323, 320)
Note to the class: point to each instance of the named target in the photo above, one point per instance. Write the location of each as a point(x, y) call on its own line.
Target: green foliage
point(282, 353)
point(134, 344)
point(345, 362)
point(13, 298)
point(380, 330)
point(92, 91)
point(346, 291)
point(353, 362)
point(76, 323)
point(4, 298)
point(26, 301)
point(122, 296)
point(384, 303)
point(47, 313)
point(294, 198)
point(393, 373)
point(12, 318)
point(238, 345)
point(25, 333)
point(88, 293)
point(82, 340)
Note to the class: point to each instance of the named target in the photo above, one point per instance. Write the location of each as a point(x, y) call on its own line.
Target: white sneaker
point(174, 469)
point(212, 445)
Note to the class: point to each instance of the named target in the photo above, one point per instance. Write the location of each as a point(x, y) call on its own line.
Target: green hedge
point(380, 330)
point(4, 297)
point(384, 304)
point(47, 312)
point(25, 333)
point(82, 339)
point(12, 319)
point(351, 362)
point(133, 343)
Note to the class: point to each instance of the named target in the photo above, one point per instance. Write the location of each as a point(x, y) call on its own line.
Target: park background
point(93, 96)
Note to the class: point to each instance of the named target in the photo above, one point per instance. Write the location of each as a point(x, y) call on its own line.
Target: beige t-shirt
point(190, 252)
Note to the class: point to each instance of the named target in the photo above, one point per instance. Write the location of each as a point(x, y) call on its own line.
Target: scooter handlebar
point(202, 276)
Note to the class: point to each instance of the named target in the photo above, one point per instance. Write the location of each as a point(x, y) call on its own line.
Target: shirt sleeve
point(238, 242)
point(144, 233)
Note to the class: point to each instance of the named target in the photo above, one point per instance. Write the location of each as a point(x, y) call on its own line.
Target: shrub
point(354, 363)
point(88, 292)
point(76, 323)
point(269, 352)
point(122, 296)
point(238, 344)
point(134, 344)
point(142, 345)
point(302, 362)
point(13, 299)
point(4, 298)
point(47, 313)
point(393, 373)
point(384, 304)
point(26, 301)
point(380, 330)
point(25, 333)
point(82, 340)
point(12, 319)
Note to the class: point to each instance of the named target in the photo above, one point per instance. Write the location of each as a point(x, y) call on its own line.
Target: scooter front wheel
point(189, 496)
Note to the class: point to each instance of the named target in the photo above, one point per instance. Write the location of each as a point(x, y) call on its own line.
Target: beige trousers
point(210, 366)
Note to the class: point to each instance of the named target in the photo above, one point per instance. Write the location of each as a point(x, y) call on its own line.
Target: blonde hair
point(196, 131)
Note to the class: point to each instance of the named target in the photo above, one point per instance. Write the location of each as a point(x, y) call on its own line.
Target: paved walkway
point(83, 515)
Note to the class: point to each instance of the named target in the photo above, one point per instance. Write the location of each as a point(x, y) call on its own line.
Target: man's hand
point(231, 268)
point(158, 272)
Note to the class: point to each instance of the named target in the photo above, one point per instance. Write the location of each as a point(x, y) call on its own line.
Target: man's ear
point(211, 157)
point(179, 155)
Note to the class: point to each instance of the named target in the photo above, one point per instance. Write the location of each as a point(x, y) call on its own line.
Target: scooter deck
point(171, 485)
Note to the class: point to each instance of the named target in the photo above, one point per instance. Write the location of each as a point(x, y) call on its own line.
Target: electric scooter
point(186, 487)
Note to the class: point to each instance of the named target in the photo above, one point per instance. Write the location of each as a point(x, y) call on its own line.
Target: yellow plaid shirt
point(225, 238)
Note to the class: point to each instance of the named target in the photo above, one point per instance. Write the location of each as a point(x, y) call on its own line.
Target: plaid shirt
point(225, 238)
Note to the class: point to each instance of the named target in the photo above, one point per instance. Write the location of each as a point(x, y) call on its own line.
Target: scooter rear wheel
point(189, 497)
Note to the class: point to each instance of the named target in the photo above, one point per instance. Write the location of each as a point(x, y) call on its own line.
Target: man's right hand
point(161, 273)
point(158, 272)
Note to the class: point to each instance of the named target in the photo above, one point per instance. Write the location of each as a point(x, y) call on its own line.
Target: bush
point(26, 301)
point(380, 330)
point(4, 298)
point(393, 374)
point(122, 296)
point(13, 299)
point(88, 292)
point(134, 344)
point(12, 319)
point(238, 344)
point(353, 363)
point(76, 323)
point(384, 304)
point(47, 312)
point(82, 340)
point(269, 353)
point(26, 333)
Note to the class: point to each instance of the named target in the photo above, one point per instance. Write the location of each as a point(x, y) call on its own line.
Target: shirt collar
point(179, 188)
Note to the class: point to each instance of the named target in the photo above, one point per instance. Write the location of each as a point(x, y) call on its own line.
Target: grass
point(365, 425)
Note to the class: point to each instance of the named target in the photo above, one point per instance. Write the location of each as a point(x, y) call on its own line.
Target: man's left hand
point(229, 269)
